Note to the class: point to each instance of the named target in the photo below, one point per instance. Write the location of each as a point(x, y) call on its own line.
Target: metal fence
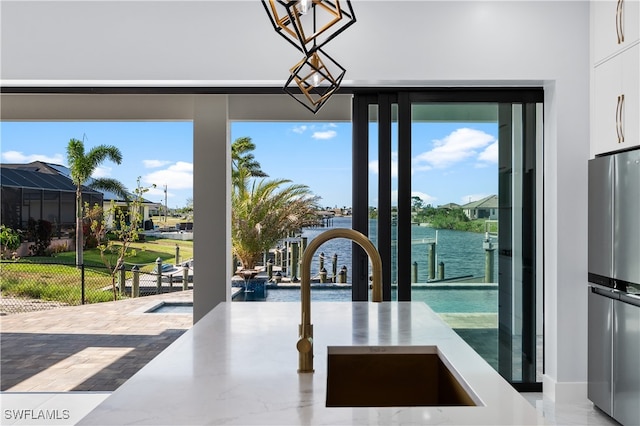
point(29, 286)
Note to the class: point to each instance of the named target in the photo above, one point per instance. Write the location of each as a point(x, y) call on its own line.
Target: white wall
point(421, 43)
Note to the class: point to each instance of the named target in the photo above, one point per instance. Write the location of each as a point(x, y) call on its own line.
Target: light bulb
point(315, 64)
point(315, 79)
point(304, 6)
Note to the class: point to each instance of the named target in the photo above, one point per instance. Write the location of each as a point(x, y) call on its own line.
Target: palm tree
point(82, 166)
point(265, 211)
point(242, 159)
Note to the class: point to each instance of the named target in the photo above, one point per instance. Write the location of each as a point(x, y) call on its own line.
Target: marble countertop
point(238, 365)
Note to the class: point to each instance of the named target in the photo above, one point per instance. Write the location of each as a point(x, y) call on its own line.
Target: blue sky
point(452, 162)
point(158, 152)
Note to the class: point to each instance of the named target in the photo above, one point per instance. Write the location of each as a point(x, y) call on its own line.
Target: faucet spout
point(305, 330)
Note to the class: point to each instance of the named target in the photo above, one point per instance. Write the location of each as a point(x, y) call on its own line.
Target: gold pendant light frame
point(312, 30)
point(326, 72)
point(317, 76)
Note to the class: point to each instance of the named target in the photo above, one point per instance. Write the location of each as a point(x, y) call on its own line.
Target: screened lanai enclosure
point(29, 194)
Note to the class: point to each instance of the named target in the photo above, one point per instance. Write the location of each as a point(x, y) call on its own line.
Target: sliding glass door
point(453, 205)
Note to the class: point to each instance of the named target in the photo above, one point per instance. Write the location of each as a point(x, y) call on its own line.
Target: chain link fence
point(29, 286)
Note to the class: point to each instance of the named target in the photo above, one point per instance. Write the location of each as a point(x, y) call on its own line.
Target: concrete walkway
point(93, 347)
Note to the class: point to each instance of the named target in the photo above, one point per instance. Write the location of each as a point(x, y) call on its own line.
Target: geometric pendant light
point(309, 25)
point(314, 79)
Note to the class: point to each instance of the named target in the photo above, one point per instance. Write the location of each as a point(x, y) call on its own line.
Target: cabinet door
point(626, 374)
point(616, 123)
point(630, 114)
point(607, 87)
point(615, 26)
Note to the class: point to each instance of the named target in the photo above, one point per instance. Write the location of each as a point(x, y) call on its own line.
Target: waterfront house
point(449, 206)
point(486, 208)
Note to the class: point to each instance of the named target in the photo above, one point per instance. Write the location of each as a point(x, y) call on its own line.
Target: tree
point(82, 166)
point(126, 229)
point(265, 211)
point(416, 203)
point(243, 159)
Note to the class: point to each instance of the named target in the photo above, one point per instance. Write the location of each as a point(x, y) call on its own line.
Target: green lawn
point(54, 282)
point(146, 253)
point(57, 278)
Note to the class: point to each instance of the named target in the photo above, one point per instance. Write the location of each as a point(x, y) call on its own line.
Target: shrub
point(40, 233)
point(58, 248)
point(90, 240)
point(9, 240)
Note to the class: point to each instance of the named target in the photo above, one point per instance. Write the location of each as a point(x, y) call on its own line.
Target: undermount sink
point(393, 376)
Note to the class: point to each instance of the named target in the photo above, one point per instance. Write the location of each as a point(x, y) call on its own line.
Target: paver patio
point(93, 347)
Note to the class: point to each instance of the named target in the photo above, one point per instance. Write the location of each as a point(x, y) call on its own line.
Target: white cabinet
point(616, 103)
point(615, 26)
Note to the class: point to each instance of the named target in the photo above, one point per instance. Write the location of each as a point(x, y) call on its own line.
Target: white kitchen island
point(238, 365)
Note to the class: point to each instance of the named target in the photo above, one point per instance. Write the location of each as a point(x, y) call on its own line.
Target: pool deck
point(93, 347)
point(97, 347)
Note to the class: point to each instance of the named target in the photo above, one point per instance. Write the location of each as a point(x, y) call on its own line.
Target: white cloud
point(299, 129)
point(327, 134)
point(428, 199)
point(101, 172)
point(176, 176)
point(157, 193)
point(19, 157)
point(373, 165)
point(490, 153)
point(154, 164)
point(460, 145)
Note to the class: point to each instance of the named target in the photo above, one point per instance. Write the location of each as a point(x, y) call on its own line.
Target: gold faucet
point(305, 329)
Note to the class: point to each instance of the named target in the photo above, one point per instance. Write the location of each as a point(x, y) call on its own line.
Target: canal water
point(461, 252)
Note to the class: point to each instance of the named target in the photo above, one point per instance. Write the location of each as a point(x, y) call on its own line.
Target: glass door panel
point(454, 211)
point(460, 184)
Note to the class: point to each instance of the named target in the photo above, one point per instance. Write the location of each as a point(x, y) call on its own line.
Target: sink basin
point(393, 376)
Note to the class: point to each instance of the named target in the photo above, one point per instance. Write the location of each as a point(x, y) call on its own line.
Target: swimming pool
point(172, 308)
point(441, 300)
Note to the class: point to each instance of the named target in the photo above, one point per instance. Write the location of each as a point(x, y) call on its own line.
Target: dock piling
point(441, 271)
point(158, 275)
point(323, 275)
point(269, 269)
point(135, 283)
point(342, 276)
point(431, 247)
point(489, 253)
point(185, 277)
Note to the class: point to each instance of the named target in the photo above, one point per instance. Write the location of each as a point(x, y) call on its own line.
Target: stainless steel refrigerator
point(614, 290)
